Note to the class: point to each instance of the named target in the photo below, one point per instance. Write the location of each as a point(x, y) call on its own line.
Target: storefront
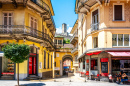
point(7, 68)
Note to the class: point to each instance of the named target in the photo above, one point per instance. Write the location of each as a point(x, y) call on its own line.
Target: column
point(110, 64)
point(53, 73)
point(89, 67)
point(61, 71)
point(99, 66)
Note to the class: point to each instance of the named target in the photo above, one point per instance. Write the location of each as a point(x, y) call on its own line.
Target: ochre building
point(103, 37)
point(28, 22)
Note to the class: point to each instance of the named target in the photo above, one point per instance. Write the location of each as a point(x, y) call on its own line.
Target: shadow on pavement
point(33, 84)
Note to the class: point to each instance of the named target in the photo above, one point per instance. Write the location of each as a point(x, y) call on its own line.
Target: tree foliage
point(66, 41)
point(17, 53)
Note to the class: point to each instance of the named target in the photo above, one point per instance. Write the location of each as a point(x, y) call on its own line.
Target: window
point(95, 20)
point(59, 41)
point(48, 60)
point(45, 59)
point(118, 12)
point(7, 19)
point(55, 41)
point(94, 64)
point(120, 40)
point(55, 64)
point(84, 63)
point(33, 26)
point(33, 23)
point(95, 42)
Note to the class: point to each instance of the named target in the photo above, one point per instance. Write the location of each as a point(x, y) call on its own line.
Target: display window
point(121, 66)
point(7, 67)
point(94, 64)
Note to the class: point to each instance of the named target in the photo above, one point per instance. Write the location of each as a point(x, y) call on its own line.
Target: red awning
point(119, 53)
point(93, 53)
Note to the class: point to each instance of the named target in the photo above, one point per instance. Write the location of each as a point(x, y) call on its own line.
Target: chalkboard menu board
point(104, 67)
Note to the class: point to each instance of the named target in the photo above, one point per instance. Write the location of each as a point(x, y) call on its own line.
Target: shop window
point(84, 63)
point(57, 72)
point(7, 66)
point(118, 12)
point(115, 65)
point(94, 64)
point(120, 40)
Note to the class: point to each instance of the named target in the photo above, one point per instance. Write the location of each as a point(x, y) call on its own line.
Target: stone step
point(7, 77)
point(33, 77)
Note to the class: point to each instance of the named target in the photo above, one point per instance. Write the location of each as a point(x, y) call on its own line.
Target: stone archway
point(65, 57)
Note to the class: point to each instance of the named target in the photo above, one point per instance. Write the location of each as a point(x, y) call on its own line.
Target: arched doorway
point(33, 61)
point(67, 64)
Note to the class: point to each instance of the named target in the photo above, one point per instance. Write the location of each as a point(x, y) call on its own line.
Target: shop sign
point(57, 68)
point(1, 54)
point(87, 61)
point(104, 59)
point(104, 67)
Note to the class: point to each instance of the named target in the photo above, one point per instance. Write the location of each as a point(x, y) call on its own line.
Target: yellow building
point(63, 53)
point(103, 36)
point(74, 41)
point(28, 22)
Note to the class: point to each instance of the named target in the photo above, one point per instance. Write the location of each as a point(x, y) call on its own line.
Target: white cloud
point(69, 29)
point(68, 25)
point(58, 30)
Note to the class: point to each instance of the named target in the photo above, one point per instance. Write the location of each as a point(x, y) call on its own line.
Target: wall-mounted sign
point(104, 67)
point(1, 54)
point(57, 55)
point(56, 68)
point(40, 65)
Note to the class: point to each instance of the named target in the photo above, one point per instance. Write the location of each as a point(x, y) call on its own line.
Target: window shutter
point(118, 12)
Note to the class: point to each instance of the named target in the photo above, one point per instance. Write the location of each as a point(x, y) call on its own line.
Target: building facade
point(63, 61)
point(103, 37)
point(28, 22)
point(74, 41)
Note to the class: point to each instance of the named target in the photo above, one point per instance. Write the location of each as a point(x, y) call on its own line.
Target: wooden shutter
point(48, 60)
point(118, 12)
point(45, 59)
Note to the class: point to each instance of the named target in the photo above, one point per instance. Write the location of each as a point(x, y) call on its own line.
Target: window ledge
point(118, 20)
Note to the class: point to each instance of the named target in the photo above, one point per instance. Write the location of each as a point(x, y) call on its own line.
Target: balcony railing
point(75, 49)
point(94, 27)
point(42, 4)
point(25, 30)
point(74, 35)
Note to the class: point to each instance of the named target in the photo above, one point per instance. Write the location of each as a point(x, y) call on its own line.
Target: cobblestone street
point(64, 81)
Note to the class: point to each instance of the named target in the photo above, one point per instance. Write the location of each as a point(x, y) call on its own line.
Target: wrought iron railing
point(94, 27)
point(42, 4)
point(25, 30)
point(74, 35)
point(75, 49)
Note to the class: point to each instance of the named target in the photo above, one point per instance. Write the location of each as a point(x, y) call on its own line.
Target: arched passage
point(66, 64)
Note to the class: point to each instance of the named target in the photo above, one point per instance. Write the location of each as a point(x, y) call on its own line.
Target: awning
point(93, 53)
point(1, 54)
point(119, 53)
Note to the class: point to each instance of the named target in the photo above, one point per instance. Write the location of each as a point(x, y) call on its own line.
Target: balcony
point(75, 63)
point(20, 32)
point(74, 38)
point(94, 27)
point(74, 50)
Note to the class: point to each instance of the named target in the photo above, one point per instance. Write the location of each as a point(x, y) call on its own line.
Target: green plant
point(17, 53)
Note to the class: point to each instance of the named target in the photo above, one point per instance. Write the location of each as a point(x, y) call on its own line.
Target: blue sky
point(64, 13)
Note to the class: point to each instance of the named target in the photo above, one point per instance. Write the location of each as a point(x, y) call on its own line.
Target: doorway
point(32, 66)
